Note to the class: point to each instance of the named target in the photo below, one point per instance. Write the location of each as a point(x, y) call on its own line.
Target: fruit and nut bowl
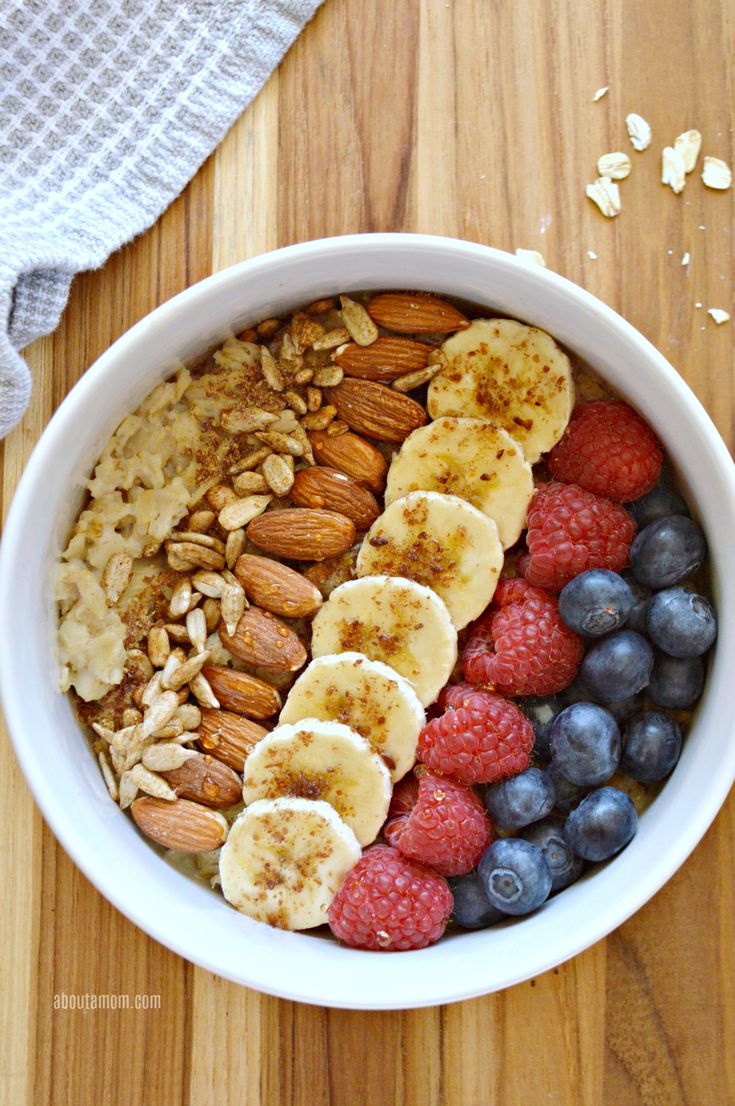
point(384, 616)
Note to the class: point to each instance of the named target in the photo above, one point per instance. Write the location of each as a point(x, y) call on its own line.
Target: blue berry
point(548, 836)
point(514, 876)
point(567, 794)
point(595, 602)
point(471, 908)
point(681, 623)
point(585, 744)
point(576, 692)
point(618, 666)
point(676, 682)
point(641, 594)
point(540, 713)
point(522, 799)
point(661, 501)
point(667, 550)
point(651, 746)
point(602, 824)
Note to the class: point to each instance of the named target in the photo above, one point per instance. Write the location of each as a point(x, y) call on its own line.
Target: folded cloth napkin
point(107, 109)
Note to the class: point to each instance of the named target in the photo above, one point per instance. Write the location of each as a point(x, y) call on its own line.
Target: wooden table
point(471, 118)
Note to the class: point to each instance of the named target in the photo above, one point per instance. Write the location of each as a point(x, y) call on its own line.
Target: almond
point(228, 737)
point(351, 454)
point(276, 587)
point(264, 641)
point(415, 313)
point(386, 359)
point(376, 411)
point(241, 692)
point(335, 491)
point(183, 825)
point(302, 534)
point(206, 780)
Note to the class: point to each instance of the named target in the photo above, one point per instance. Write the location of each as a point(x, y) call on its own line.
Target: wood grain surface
point(471, 118)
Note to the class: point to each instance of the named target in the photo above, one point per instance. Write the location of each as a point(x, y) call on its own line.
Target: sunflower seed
point(107, 775)
point(211, 613)
point(161, 711)
point(279, 475)
point(270, 370)
point(186, 672)
point(313, 399)
point(247, 420)
point(303, 376)
point(177, 633)
point(232, 606)
point(189, 716)
point(296, 402)
point(220, 495)
point(128, 789)
point(357, 322)
point(180, 599)
point(183, 556)
point(131, 716)
point(151, 784)
point(202, 692)
point(197, 538)
point(159, 646)
point(242, 511)
point(249, 482)
point(250, 460)
point(196, 628)
point(200, 521)
point(414, 380)
point(235, 543)
point(164, 757)
point(332, 339)
point(328, 377)
point(319, 420)
point(152, 689)
point(208, 583)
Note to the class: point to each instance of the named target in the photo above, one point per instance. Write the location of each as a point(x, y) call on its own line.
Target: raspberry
point(465, 695)
point(478, 745)
point(609, 450)
point(448, 827)
point(404, 796)
point(571, 530)
point(521, 646)
point(391, 903)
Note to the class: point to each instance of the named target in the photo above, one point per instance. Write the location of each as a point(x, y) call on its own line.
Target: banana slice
point(512, 374)
point(470, 458)
point(390, 619)
point(441, 541)
point(367, 696)
point(322, 760)
point(285, 859)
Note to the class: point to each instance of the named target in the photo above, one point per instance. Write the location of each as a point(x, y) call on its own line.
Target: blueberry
point(522, 799)
point(623, 709)
point(602, 824)
point(618, 666)
point(541, 713)
point(567, 794)
point(667, 550)
point(681, 623)
point(585, 744)
point(595, 602)
point(549, 837)
point(641, 594)
point(576, 692)
point(471, 908)
point(651, 746)
point(514, 875)
point(661, 501)
point(676, 682)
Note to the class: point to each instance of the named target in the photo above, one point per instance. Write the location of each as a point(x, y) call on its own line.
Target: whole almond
point(376, 411)
point(204, 779)
point(181, 824)
point(386, 359)
point(228, 737)
point(242, 693)
point(276, 587)
point(335, 491)
point(415, 313)
point(302, 534)
point(263, 641)
point(351, 454)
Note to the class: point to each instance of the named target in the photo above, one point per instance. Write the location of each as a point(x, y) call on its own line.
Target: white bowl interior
point(54, 754)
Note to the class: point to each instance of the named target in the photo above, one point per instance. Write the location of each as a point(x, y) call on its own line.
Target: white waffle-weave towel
point(107, 109)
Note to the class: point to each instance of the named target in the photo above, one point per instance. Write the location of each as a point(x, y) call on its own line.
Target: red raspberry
point(448, 827)
point(571, 530)
point(520, 646)
point(391, 903)
point(404, 796)
point(478, 745)
point(609, 450)
point(465, 695)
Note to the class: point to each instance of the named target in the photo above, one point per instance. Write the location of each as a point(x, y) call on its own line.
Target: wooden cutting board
point(472, 118)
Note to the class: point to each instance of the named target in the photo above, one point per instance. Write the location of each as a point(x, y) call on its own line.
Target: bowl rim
point(56, 814)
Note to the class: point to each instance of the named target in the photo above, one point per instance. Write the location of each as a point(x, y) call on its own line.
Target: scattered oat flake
point(688, 144)
point(698, 305)
point(639, 131)
point(606, 194)
point(673, 172)
point(599, 94)
point(685, 259)
point(533, 256)
point(716, 173)
point(615, 165)
point(592, 255)
point(701, 226)
point(719, 315)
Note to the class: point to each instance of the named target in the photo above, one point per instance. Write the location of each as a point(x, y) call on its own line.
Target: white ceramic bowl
point(53, 752)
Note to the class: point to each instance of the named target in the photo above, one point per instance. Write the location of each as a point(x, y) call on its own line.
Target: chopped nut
point(414, 380)
point(220, 495)
point(202, 692)
point(151, 784)
point(247, 483)
point(319, 420)
point(108, 776)
point(211, 612)
point(271, 372)
point(673, 172)
point(180, 599)
point(245, 422)
point(303, 376)
point(282, 443)
point(328, 377)
point(166, 756)
point(688, 145)
point(358, 323)
point(242, 511)
point(332, 339)
point(313, 399)
point(600, 93)
point(196, 628)
point(719, 315)
point(200, 521)
point(116, 576)
point(533, 256)
point(716, 173)
point(606, 195)
point(279, 475)
point(208, 583)
point(235, 545)
point(639, 131)
point(267, 328)
point(616, 166)
point(249, 461)
point(159, 645)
